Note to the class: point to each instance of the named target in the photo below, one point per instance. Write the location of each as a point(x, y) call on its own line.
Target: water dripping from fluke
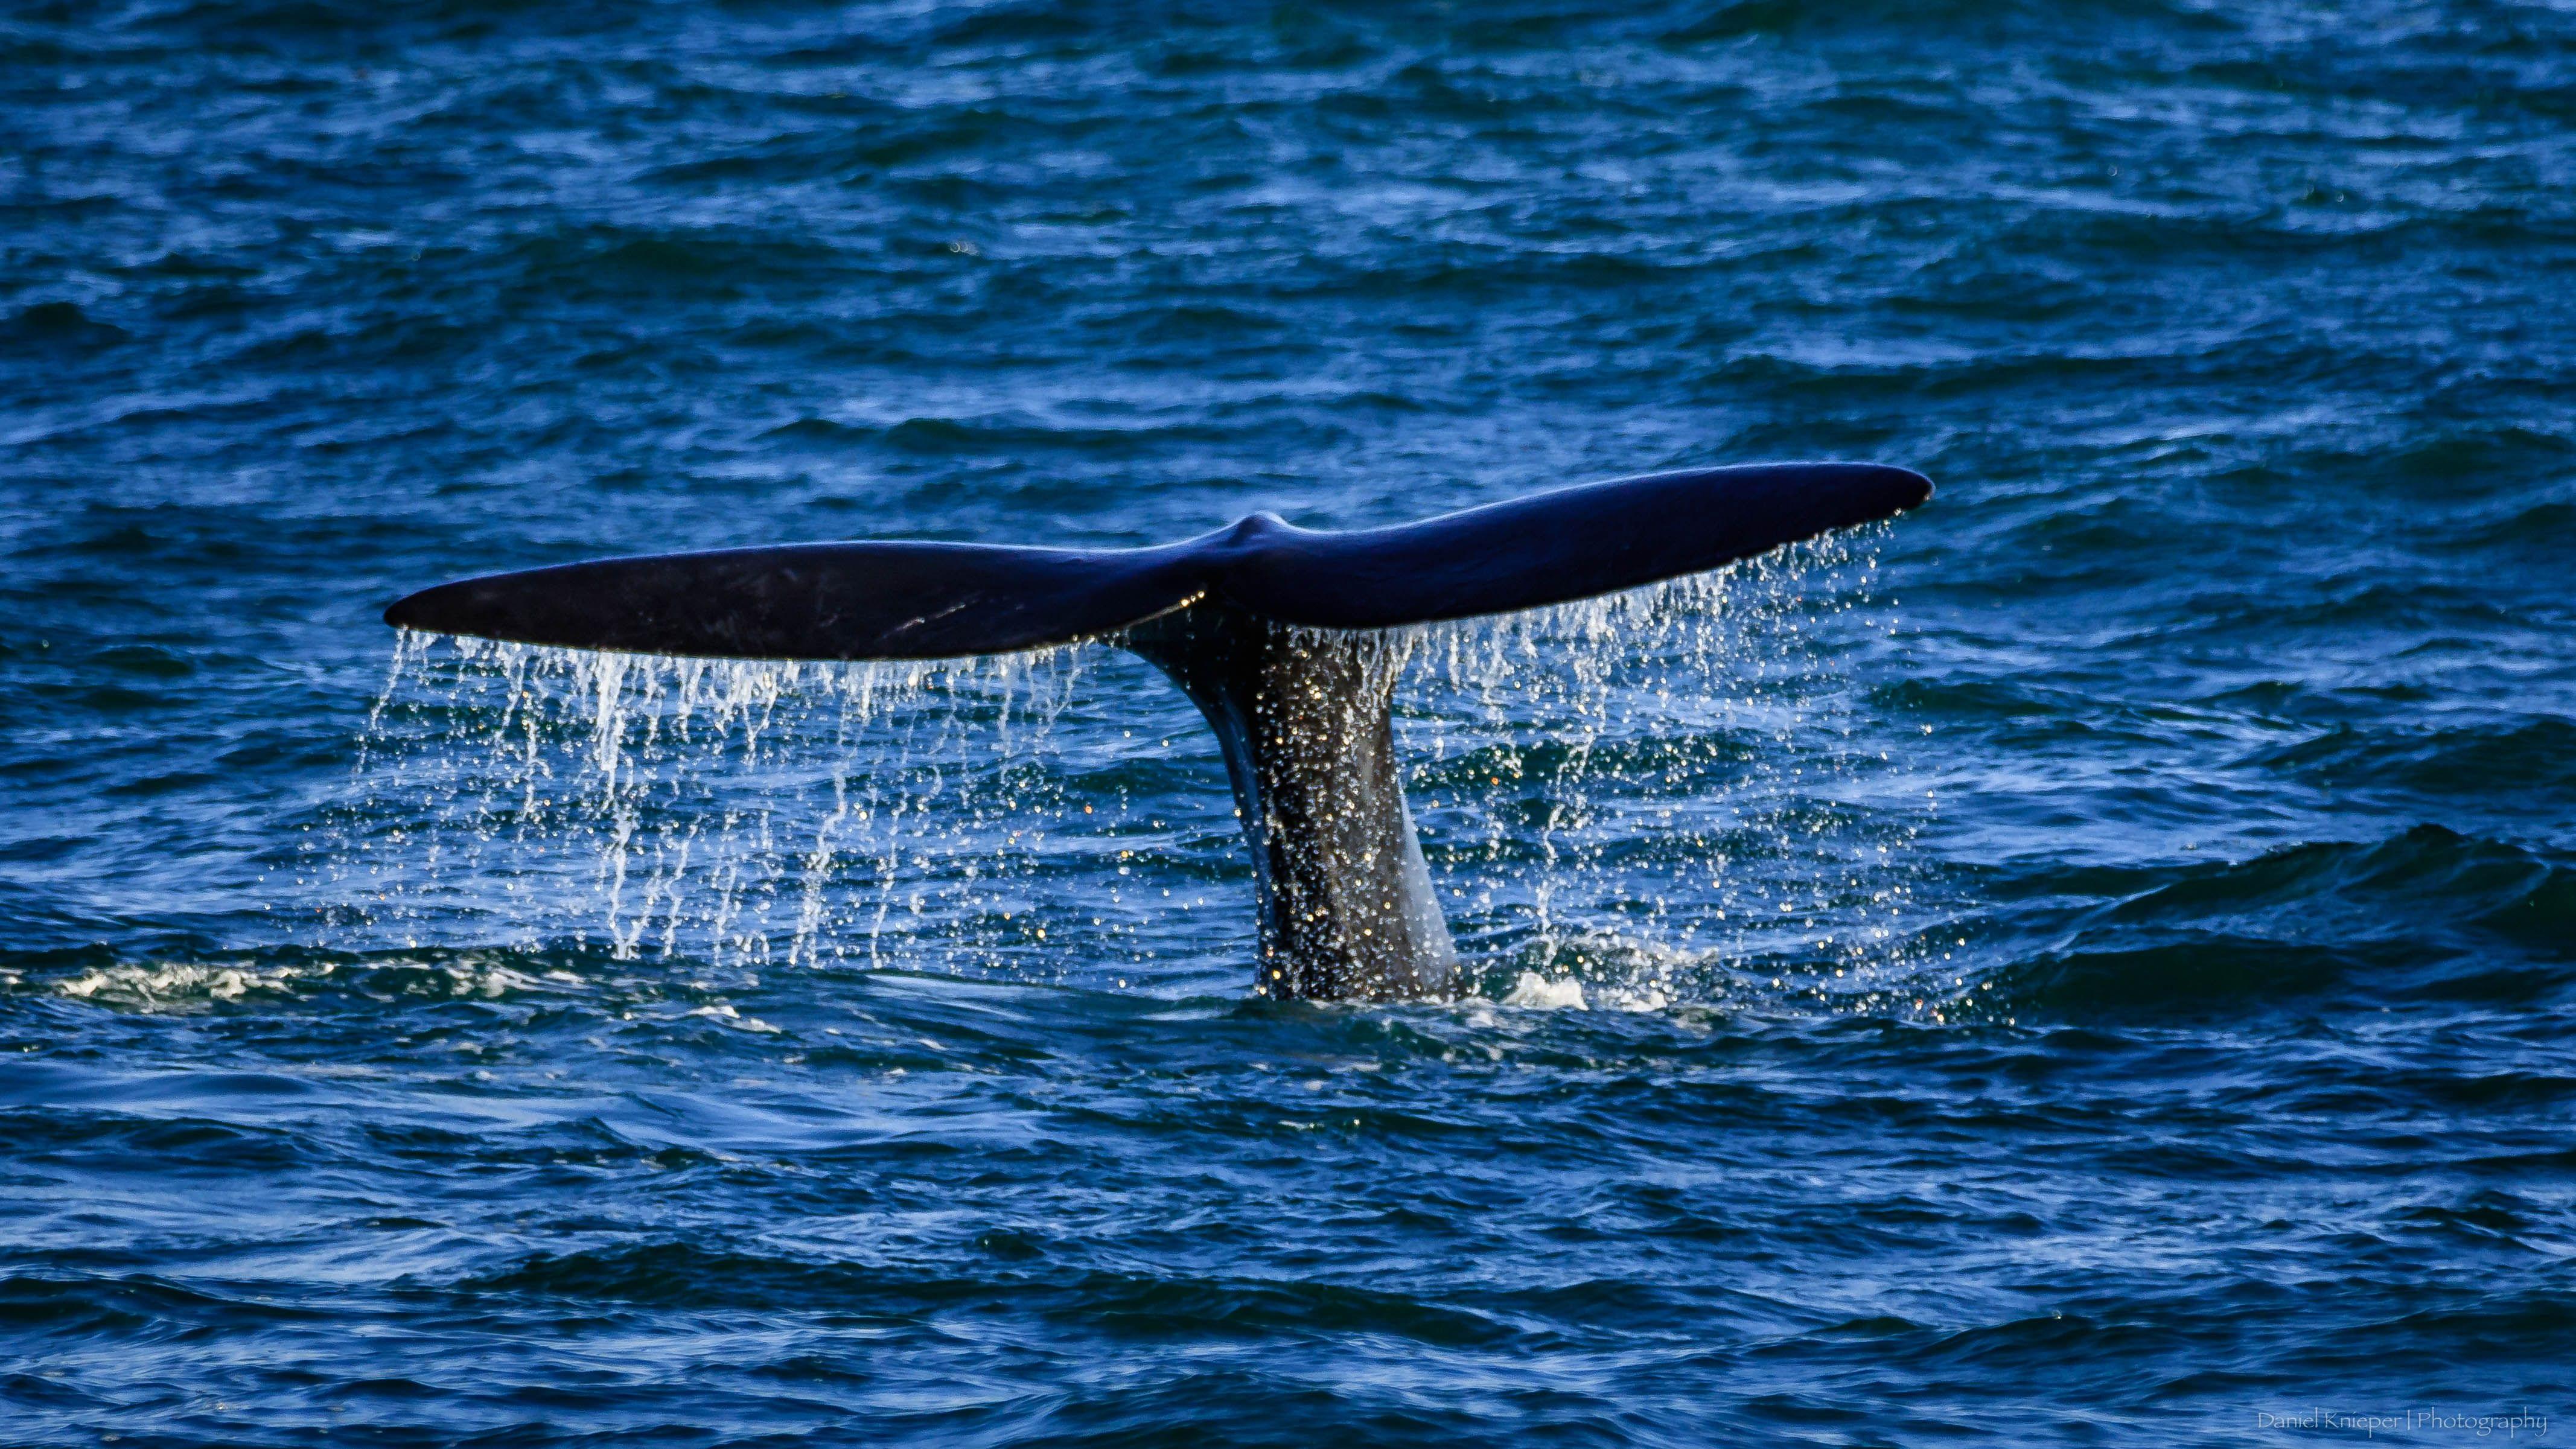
point(1289, 641)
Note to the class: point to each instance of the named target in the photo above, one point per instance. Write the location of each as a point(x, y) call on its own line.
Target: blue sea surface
point(2090, 962)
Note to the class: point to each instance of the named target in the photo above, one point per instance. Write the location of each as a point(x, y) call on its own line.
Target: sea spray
point(1676, 793)
point(1662, 793)
point(735, 811)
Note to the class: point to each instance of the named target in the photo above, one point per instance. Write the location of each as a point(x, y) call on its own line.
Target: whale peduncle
point(1345, 899)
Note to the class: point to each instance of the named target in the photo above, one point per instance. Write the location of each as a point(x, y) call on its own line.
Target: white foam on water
point(174, 986)
point(1564, 993)
point(181, 986)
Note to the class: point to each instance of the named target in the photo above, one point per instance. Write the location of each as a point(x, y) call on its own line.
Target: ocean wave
point(2507, 758)
point(2427, 916)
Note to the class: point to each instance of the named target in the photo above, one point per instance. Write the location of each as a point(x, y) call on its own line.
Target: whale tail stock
point(1232, 616)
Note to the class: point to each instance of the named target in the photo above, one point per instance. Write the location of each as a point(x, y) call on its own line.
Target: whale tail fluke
point(922, 600)
point(1261, 624)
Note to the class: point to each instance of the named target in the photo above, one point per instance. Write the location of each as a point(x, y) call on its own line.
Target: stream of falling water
point(1662, 796)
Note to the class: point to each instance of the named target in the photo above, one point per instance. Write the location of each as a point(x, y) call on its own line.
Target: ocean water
point(2092, 961)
